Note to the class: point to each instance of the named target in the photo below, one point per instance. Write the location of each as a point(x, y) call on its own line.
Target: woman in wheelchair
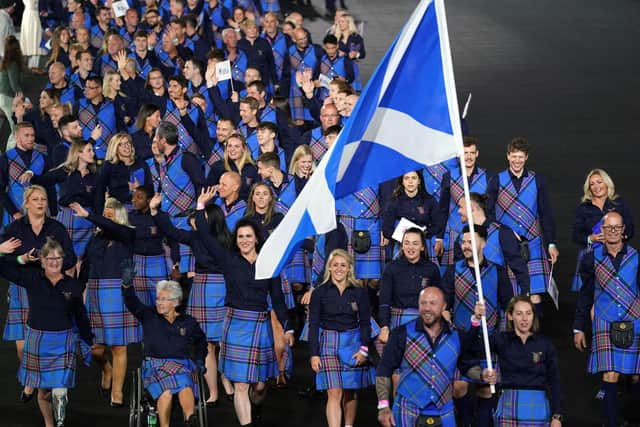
point(171, 338)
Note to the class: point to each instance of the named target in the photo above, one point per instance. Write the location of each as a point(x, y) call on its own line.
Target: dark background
point(563, 73)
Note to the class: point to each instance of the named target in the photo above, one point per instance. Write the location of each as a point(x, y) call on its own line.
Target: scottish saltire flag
point(407, 117)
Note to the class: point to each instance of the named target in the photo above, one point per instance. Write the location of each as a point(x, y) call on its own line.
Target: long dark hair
point(143, 114)
point(245, 222)
point(218, 225)
point(251, 205)
point(422, 190)
point(12, 54)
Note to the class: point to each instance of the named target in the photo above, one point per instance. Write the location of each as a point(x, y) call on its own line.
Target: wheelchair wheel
point(135, 405)
point(202, 405)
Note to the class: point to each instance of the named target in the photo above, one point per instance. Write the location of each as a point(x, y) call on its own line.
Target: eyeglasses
point(53, 259)
point(166, 299)
point(613, 228)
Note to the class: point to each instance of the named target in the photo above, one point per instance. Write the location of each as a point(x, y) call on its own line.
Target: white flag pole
point(448, 66)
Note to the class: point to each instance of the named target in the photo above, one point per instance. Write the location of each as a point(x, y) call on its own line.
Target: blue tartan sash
point(143, 66)
point(185, 140)
point(279, 49)
point(301, 61)
point(268, 114)
point(155, 174)
point(239, 66)
point(285, 196)
point(519, 209)
point(107, 64)
point(467, 294)
point(89, 118)
point(332, 70)
point(426, 373)
point(96, 37)
point(617, 295)
point(361, 204)
point(433, 179)
point(178, 191)
point(477, 183)
point(318, 144)
point(16, 168)
point(233, 215)
point(492, 250)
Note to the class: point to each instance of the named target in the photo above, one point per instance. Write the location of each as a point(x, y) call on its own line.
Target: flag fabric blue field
point(407, 117)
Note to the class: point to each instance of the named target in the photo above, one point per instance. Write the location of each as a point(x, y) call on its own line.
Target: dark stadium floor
point(562, 73)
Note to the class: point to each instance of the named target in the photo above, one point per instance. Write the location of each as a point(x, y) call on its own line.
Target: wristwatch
point(557, 417)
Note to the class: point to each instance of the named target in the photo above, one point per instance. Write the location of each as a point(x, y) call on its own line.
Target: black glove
point(128, 272)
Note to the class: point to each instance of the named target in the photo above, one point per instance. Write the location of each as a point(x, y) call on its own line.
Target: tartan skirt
point(337, 367)
point(406, 414)
point(17, 314)
point(605, 357)
point(538, 266)
point(206, 304)
point(79, 229)
point(522, 408)
point(576, 283)
point(304, 334)
point(150, 269)
point(298, 270)
point(246, 347)
point(111, 322)
point(160, 375)
point(401, 316)
point(287, 291)
point(49, 359)
point(187, 259)
point(367, 265)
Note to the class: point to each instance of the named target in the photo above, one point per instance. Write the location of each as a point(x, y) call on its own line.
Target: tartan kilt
point(538, 266)
point(304, 334)
point(406, 414)
point(206, 303)
point(79, 229)
point(449, 242)
point(160, 375)
point(605, 357)
point(17, 314)
point(287, 291)
point(576, 283)
point(401, 316)
point(187, 259)
point(49, 359)
point(110, 320)
point(246, 347)
point(150, 269)
point(296, 103)
point(298, 270)
point(369, 264)
point(336, 365)
point(522, 408)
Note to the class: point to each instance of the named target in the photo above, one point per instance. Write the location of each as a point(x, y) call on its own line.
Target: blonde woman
point(237, 158)
point(598, 197)
point(76, 178)
point(31, 231)
point(121, 172)
point(112, 324)
point(339, 333)
point(126, 107)
point(349, 41)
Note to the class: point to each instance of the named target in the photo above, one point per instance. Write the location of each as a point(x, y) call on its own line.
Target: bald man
point(426, 345)
point(229, 199)
point(303, 57)
point(610, 271)
point(57, 79)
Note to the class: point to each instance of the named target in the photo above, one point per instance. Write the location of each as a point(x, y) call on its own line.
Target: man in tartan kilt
point(610, 283)
point(519, 198)
point(459, 283)
point(453, 190)
point(182, 178)
point(316, 138)
point(427, 352)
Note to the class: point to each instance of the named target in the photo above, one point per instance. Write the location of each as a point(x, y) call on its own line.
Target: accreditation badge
point(537, 357)
point(183, 332)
